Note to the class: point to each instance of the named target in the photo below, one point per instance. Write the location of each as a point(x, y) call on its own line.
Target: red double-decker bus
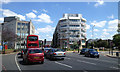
point(32, 41)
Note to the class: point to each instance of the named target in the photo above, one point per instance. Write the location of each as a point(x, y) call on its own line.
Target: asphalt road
point(72, 61)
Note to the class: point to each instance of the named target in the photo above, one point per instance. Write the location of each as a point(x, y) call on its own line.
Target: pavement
point(72, 62)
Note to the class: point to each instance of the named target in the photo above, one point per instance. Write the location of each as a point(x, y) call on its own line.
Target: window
point(74, 20)
point(82, 20)
point(19, 23)
point(58, 50)
point(18, 28)
point(32, 38)
point(74, 30)
point(64, 26)
point(74, 25)
point(62, 20)
point(74, 35)
point(26, 24)
point(83, 41)
point(23, 23)
point(35, 51)
point(32, 44)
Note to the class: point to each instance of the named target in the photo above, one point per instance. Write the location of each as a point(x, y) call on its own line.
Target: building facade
point(18, 28)
point(70, 29)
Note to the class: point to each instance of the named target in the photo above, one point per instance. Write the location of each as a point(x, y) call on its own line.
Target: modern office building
point(71, 28)
point(14, 27)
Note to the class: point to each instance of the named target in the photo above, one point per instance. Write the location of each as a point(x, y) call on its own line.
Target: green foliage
point(116, 40)
point(74, 45)
point(99, 43)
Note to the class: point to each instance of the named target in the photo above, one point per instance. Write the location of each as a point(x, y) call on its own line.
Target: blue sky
point(45, 16)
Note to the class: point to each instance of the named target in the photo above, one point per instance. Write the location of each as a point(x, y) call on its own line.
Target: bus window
point(32, 38)
point(32, 44)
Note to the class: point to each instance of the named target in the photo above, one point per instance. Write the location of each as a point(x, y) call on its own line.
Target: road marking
point(114, 67)
point(67, 58)
point(99, 60)
point(63, 64)
point(17, 63)
point(86, 62)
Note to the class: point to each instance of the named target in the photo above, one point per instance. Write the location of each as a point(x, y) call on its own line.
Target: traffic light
point(44, 41)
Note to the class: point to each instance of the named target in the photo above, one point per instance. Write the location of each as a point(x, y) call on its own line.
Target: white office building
point(71, 28)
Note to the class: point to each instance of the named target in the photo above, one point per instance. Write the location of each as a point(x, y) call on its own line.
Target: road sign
point(0, 47)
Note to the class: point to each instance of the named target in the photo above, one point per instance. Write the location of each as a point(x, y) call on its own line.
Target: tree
point(74, 45)
point(116, 40)
point(9, 36)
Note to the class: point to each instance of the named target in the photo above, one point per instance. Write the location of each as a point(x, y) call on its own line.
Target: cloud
point(44, 10)
point(111, 17)
point(34, 11)
point(105, 33)
point(96, 30)
point(47, 35)
point(87, 26)
point(99, 24)
point(6, 1)
point(99, 2)
point(7, 12)
point(44, 18)
point(47, 29)
point(31, 15)
point(1, 20)
point(113, 25)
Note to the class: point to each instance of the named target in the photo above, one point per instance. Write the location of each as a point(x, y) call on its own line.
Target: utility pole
point(93, 34)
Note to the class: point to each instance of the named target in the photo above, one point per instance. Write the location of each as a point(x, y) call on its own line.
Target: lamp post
point(92, 35)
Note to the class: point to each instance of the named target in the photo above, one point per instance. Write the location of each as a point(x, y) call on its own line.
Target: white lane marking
point(99, 60)
point(67, 58)
point(86, 62)
point(17, 63)
point(63, 64)
point(114, 67)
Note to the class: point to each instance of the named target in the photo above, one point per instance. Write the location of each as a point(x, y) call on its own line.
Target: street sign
point(0, 47)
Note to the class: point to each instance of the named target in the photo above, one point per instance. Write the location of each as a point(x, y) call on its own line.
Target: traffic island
point(112, 56)
point(9, 51)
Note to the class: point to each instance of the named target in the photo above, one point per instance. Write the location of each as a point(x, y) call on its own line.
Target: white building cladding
point(18, 27)
point(71, 28)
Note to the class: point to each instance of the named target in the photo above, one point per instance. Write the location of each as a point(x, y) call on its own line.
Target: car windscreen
point(35, 51)
point(46, 49)
point(32, 44)
point(83, 49)
point(57, 50)
point(32, 38)
point(92, 50)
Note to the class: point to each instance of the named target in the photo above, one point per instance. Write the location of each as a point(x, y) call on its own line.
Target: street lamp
point(93, 34)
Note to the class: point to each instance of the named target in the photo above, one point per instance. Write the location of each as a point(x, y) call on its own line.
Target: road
point(72, 61)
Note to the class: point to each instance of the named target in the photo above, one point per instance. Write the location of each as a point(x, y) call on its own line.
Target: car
point(32, 55)
point(46, 50)
point(83, 50)
point(92, 53)
point(55, 54)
